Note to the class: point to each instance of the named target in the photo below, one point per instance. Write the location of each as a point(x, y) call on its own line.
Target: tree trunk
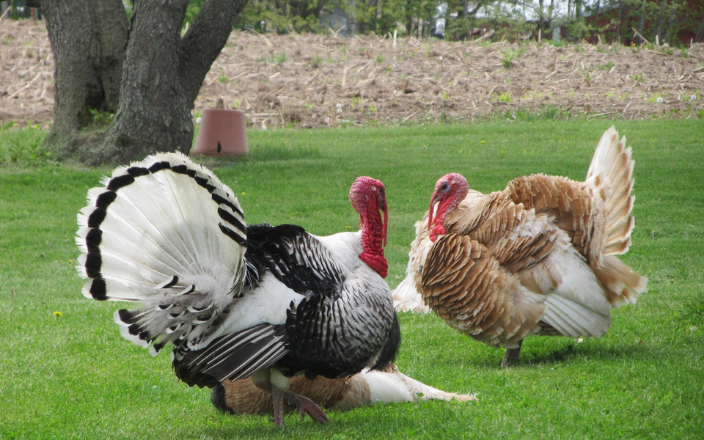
point(373, 17)
point(661, 19)
point(641, 17)
point(671, 33)
point(551, 9)
point(162, 73)
point(462, 11)
point(620, 20)
point(143, 70)
point(154, 112)
point(700, 32)
point(351, 17)
point(596, 18)
point(408, 11)
point(88, 40)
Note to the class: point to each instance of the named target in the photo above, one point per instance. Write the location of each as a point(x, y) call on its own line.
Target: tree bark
point(641, 17)
point(374, 17)
point(153, 113)
point(700, 32)
point(143, 70)
point(408, 15)
point(620, 20)
point(162, 75)
point(596, 18)
point(88, 40)
point(671, 33)
point(661, 19)
point(462, 10)
point(351, 18)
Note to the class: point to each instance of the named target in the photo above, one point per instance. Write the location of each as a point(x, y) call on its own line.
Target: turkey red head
point(450, 190)
point(368, 197)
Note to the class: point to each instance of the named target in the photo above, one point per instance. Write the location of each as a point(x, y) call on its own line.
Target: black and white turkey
point(235, 301)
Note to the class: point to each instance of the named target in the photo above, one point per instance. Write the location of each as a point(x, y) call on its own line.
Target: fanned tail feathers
point(165, 232)
point(611, 174)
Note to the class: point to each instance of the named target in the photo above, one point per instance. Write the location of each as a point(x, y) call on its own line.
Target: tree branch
point(476, 8)
point(204, 41)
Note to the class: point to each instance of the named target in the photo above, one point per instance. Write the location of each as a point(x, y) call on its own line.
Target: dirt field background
point(327, 81)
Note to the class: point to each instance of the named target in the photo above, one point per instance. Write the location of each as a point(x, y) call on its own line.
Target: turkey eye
point(443, 187)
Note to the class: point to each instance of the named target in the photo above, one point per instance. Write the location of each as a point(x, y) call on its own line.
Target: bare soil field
point(327, 81)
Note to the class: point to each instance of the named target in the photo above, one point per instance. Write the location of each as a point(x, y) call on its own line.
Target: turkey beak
point(381, 203)
point(433, 200)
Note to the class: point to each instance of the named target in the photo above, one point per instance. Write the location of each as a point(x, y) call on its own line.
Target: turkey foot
point(307, 406)
point(511, 356)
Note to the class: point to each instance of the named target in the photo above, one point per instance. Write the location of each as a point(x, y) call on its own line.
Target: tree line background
point(143, 62)
point(612, 20)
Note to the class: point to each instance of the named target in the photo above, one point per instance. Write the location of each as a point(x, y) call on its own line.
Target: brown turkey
point(538, 258)
point(369, 387)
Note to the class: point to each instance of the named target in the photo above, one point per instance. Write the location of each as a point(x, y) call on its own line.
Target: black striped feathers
point(144, 175)
point(167, 233)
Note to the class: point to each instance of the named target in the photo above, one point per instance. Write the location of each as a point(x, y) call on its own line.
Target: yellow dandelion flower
point(483, 142)
point(58, 314)
point(348, 227)
point(243, 193)
point(70, 261)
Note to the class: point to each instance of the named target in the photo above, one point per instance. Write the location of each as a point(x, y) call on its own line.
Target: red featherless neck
point(450, 190)
point(368, 197)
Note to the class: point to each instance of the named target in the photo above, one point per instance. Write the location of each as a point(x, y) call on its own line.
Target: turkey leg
point(511, 356)
point(304, 404)
point(278, 393)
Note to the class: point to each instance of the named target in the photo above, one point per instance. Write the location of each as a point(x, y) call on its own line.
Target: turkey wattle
point(236, 301)
point(538, 258)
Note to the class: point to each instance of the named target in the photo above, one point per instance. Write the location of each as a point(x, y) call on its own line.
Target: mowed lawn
point(70, 374)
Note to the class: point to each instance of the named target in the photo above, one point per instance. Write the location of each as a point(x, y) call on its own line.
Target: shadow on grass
point(574, 351)
point(546, 355)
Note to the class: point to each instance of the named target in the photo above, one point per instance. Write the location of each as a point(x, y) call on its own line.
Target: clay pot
point(222, 133)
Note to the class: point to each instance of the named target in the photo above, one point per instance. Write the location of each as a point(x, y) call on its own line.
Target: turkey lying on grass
point(538, 258)
point(363, 389)
point(237, 301)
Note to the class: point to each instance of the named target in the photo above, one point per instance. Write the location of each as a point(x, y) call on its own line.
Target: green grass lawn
point(73, 376)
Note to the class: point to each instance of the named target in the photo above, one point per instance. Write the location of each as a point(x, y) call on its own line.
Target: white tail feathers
point(407, 298)
point(611, 174)
point(164, 231)
point(570, 318)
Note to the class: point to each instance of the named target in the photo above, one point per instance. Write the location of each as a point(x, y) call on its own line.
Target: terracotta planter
point(222, 133)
